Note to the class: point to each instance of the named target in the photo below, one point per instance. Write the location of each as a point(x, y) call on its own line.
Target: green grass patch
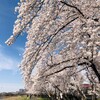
point(23, 98)
point(42, 99)
point(17, 98)
point(98, 99)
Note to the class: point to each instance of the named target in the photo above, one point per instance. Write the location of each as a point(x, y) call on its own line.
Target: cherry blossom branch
point(58, 71)
point(72, 7)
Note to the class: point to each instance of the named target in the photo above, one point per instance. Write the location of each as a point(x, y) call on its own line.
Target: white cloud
point(7, 62)
point(10, 87)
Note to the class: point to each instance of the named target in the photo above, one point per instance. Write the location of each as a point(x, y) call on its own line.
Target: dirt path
point(1, 98)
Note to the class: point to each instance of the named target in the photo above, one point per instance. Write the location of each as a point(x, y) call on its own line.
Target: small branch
point(72, 7)
point(93, 66)
point(60, 30)
point(58, 71)
point(66, 24)
point(77, 71)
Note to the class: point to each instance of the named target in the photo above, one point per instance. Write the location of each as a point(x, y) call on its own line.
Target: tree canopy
point(63, 43)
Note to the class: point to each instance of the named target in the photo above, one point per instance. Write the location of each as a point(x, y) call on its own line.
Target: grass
point(17, 98)
point(42, 99)
point(23, 98)
point(26, 98)
point(98, 98)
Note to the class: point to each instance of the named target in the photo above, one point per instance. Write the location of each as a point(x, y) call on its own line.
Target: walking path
point(1, 98)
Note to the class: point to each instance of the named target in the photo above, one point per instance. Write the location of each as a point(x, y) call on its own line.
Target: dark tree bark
point(94, 68)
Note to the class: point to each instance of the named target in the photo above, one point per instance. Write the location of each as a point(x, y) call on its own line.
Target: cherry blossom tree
point(63, 40)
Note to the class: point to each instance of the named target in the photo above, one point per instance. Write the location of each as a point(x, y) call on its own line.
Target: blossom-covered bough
point(63, 43)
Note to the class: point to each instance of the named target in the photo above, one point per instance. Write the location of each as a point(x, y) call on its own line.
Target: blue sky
point(10, 56)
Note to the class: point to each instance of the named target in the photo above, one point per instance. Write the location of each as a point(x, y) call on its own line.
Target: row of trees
point(63, 44)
